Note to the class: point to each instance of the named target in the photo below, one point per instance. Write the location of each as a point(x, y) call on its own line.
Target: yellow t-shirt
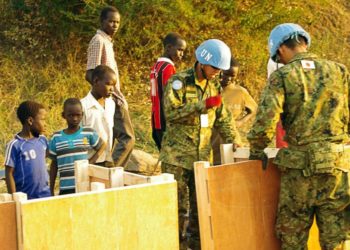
point(237, 100)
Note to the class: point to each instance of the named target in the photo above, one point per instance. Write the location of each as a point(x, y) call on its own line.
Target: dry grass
point(51, 82)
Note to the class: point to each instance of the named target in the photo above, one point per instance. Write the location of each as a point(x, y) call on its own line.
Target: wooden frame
point(228, 157)
point(127, 217)
point(117, 218)
point(86, 173)
point(237, 206)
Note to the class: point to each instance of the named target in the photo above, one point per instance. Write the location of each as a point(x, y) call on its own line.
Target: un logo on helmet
point(207, 56)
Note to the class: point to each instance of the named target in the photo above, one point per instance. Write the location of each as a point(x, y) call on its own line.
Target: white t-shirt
point(272, 66)
point(101, 119)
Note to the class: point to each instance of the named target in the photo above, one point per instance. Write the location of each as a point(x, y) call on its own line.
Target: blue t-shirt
point(27, 157)
point(68, 148)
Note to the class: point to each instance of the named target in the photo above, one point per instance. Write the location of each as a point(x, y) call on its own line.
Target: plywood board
point(135, 217)
point(242, 154)
point(243, 203)
point(8, 228)
point(204, 205)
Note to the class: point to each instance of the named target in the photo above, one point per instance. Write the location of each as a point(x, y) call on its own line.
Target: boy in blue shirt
point(72, 144)
point(25, 155)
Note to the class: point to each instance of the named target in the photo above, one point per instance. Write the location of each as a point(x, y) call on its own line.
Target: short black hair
point(71, 101)
point(171, 38)
point(234, 62)
point(106, 10)
point(295, 41)
point(28, 109)
point(100, 71)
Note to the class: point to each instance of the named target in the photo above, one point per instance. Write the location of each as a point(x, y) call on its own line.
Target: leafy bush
point(43, 46)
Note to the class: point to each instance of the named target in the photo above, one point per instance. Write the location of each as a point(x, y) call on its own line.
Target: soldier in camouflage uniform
point(312, 94)
point(192, 105)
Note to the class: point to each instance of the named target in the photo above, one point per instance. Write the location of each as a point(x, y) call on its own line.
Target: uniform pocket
point(327, 158)
point(292, 159)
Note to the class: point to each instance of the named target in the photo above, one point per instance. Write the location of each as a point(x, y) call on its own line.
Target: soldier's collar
point(303, 55)
point(196, 81)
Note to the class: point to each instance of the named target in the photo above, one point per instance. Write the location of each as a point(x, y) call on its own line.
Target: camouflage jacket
point(185, 140)
point(312, 97)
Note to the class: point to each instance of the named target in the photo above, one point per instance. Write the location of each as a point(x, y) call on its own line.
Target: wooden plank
point(134, 179)
point(99, 172)
point(204, 212)
point(136, 217)
point(228, 156)
point(96, 179)
point(81, 173)
point(117, 177)
point(242, 154)
point(19, 197)
point(8, 227)
point(243, 204)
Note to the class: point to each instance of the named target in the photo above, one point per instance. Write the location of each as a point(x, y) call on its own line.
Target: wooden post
point(117, 177)
point(203, 201)
point(81, 172)
point(18, 197)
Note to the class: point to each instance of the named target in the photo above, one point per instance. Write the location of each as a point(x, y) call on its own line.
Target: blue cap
point(283, 32)
point(214, 52)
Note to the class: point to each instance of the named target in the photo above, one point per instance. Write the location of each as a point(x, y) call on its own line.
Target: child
point(239, 102)
point(71, 144)
point(99, 108)
point(162, 70)
point(25, 154)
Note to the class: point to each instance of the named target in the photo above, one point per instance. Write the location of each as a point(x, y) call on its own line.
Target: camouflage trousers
point(187, 206)
point(326, 196)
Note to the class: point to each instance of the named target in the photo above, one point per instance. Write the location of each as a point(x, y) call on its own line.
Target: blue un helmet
point(282, 33)
point(215, 53)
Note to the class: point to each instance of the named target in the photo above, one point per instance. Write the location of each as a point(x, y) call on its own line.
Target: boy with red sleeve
point(162, 70)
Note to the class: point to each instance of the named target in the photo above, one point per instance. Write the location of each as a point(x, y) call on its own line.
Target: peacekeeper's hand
point(260, 156)
point(213, 101)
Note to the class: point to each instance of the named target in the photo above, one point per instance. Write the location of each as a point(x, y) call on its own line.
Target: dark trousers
point(123, 136)
point(157, 135)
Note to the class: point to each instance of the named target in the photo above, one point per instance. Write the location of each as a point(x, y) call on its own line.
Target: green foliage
point(43, 46)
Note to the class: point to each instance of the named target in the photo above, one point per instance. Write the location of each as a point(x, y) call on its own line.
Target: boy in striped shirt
point(72, 144)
